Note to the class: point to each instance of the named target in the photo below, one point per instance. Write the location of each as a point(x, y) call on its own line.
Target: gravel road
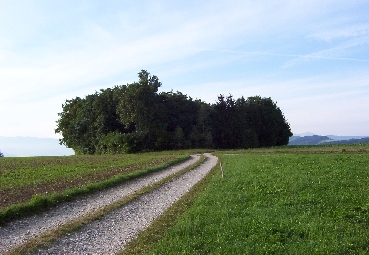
point(20, 231)
point(109, 234)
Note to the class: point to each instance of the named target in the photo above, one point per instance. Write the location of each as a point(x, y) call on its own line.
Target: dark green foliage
point(135, 117)
point(85, 122)
point(1, 155)
point(250, 123)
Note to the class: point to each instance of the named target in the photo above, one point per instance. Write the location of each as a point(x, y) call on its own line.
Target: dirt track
point(108, 235)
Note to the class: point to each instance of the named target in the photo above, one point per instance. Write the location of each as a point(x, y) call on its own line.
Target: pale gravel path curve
point(110, 234)
point(20, 231)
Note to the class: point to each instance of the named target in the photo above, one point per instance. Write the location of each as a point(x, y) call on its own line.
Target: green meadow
point(299, 200)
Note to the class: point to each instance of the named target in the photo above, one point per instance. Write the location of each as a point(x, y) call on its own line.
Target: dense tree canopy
point(135, 117)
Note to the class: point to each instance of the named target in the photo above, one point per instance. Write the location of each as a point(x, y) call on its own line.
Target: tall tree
point(137, 107)
point(74, 125)
point(201, 136)
point(266, 119)
point(255, 122)
point(248, 137)
point(225, 134)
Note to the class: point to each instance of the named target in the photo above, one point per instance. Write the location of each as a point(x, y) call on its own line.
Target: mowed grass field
point(31, 184)
point(291, 200)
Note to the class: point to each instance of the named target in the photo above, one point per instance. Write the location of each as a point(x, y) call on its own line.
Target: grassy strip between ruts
point(276, 203)
point(156, 231)
point(41, 203)
point(50, 236)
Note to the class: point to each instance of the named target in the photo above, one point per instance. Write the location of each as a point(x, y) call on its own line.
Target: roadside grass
point(31, 185)
point(273, 202)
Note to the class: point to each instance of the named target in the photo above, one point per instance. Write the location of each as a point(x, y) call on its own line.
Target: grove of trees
point(136, 117)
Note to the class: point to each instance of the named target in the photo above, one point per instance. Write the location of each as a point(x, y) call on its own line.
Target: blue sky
point(311, 57)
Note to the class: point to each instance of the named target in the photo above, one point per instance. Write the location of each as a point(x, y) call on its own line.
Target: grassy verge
point(41, 202)
point(52, 235)
point(276, 203)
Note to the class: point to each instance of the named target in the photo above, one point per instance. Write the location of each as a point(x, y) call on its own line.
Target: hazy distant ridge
point(313, 139)
point(32, 146)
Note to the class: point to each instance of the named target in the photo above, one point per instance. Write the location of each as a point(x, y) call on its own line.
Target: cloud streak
point(318, 55)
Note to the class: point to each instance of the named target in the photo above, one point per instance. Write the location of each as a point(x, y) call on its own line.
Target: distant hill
point(350, 141)
point(326, 140)
point(32, 146)
point(309, 140)
point(340, 138)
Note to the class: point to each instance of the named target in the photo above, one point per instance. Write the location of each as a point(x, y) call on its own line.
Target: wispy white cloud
point(348, 31)
point(340, 52)
point(324, 54)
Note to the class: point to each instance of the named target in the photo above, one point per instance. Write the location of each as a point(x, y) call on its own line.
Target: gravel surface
point(20, 231)
point(110, 234)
